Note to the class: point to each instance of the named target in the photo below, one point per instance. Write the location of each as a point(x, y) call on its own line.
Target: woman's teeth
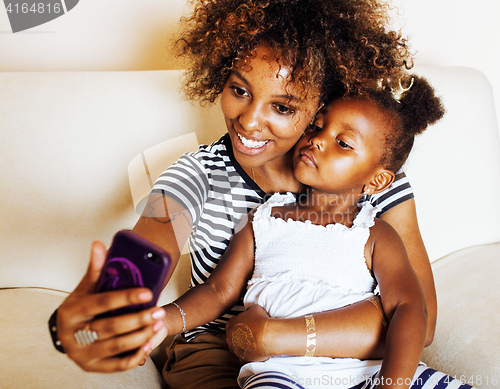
point(253, 144)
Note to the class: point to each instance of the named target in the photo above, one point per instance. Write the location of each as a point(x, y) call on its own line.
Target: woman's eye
point(313, 128)
point(343, 144)
point(283, 109)
point(238, 91)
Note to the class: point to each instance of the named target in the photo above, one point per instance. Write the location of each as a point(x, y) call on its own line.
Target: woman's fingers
point(117, 345)
point(107, 355)
point(112, 365)
point(99, 303)
point(123, 324)
point(80, 316)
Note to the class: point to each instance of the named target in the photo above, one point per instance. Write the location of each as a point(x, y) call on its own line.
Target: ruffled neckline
point(364, 219)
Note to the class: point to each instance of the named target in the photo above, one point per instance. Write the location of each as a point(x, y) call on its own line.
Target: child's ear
point(380, 181)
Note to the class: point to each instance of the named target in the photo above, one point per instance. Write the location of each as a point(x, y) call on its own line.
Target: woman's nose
point(252, 118)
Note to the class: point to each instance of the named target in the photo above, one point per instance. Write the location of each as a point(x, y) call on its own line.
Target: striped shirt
point(216, 191)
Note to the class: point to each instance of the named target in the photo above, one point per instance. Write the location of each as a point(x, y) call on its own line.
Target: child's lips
point(307, 156)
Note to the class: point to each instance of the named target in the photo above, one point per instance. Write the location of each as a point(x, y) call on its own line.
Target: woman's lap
point(203, 362)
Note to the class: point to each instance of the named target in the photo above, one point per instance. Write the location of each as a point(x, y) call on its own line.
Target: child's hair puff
point(341, 45)
point(411, 111)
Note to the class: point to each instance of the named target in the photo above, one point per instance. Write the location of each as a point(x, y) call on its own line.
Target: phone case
point(134, 262)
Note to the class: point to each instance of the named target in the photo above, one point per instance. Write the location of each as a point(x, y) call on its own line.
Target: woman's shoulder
point(214, 156)
point(214, 150)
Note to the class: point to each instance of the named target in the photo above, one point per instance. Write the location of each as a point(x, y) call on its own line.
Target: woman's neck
point(276, 175)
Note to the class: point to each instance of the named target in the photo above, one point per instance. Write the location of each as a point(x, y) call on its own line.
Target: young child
point(323, 251)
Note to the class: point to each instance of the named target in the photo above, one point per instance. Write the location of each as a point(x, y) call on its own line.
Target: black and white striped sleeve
point(399, 192)
point(185, 182)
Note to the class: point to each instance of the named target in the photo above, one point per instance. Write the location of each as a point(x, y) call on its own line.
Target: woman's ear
point(380, 181)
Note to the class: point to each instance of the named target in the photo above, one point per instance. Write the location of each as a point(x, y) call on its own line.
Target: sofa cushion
point(466, 341)
point(454, 167)
point(30, 360)
point(67, 140)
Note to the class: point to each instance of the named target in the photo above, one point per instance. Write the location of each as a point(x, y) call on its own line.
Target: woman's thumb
point(97, 259)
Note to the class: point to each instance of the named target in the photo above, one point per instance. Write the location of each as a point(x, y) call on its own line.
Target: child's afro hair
point(411, 108)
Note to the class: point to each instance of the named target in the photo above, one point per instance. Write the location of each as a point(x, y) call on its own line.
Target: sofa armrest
point(466, 341)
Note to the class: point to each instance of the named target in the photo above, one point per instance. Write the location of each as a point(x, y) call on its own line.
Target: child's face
point(263, 112)
point(343, 155)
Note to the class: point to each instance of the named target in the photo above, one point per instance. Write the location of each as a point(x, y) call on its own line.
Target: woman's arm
point(403, 218)
point(355, 331)
point(164, 223)
point(404, 304)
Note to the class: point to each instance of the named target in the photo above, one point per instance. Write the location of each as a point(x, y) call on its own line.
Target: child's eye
point(283, 109)
point(343, 144)
point(238, 91)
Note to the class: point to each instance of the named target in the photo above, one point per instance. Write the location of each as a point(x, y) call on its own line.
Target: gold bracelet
point(311, 336)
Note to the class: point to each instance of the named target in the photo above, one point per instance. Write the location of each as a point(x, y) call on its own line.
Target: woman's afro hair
point(332, 46)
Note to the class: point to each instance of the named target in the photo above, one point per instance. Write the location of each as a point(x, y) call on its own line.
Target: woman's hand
point(246, 334)
point(135, 331)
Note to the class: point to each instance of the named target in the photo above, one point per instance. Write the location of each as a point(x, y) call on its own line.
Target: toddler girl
point(324, 252)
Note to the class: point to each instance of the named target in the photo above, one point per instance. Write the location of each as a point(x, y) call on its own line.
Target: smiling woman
point(273, 63)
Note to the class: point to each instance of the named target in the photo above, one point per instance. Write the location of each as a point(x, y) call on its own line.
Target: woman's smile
point(252, 143)
point(249, 145)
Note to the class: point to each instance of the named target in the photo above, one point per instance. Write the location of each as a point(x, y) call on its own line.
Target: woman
point(273, 64)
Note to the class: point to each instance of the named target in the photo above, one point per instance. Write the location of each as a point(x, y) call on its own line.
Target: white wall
point(132, 35)
point(455, 33)
point(95, 35)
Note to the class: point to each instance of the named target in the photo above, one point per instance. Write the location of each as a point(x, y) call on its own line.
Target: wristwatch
point(53, 333)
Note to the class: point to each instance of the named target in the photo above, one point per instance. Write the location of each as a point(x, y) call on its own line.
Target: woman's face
point(264, 113)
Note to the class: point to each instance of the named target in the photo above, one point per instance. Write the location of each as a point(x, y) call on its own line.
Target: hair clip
point(397, 94)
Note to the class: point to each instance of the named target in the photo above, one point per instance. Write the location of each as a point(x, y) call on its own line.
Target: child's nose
point(317, 142)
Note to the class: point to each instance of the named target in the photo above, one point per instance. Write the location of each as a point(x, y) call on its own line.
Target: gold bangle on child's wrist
point(311, 336)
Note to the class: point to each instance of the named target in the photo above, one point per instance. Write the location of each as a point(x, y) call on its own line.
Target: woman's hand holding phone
point(116, 335)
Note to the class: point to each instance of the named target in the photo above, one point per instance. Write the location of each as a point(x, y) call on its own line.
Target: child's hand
point(245, 334)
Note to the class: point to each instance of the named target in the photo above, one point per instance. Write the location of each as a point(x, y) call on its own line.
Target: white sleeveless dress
point(302, 268)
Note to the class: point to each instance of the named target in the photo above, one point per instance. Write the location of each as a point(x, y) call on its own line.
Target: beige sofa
point(67, 140)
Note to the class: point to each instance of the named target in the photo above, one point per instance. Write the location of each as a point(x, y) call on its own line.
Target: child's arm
point(404, 304)
point(221, 291)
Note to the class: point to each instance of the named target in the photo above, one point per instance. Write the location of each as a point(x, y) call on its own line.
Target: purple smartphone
point(133, 262)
